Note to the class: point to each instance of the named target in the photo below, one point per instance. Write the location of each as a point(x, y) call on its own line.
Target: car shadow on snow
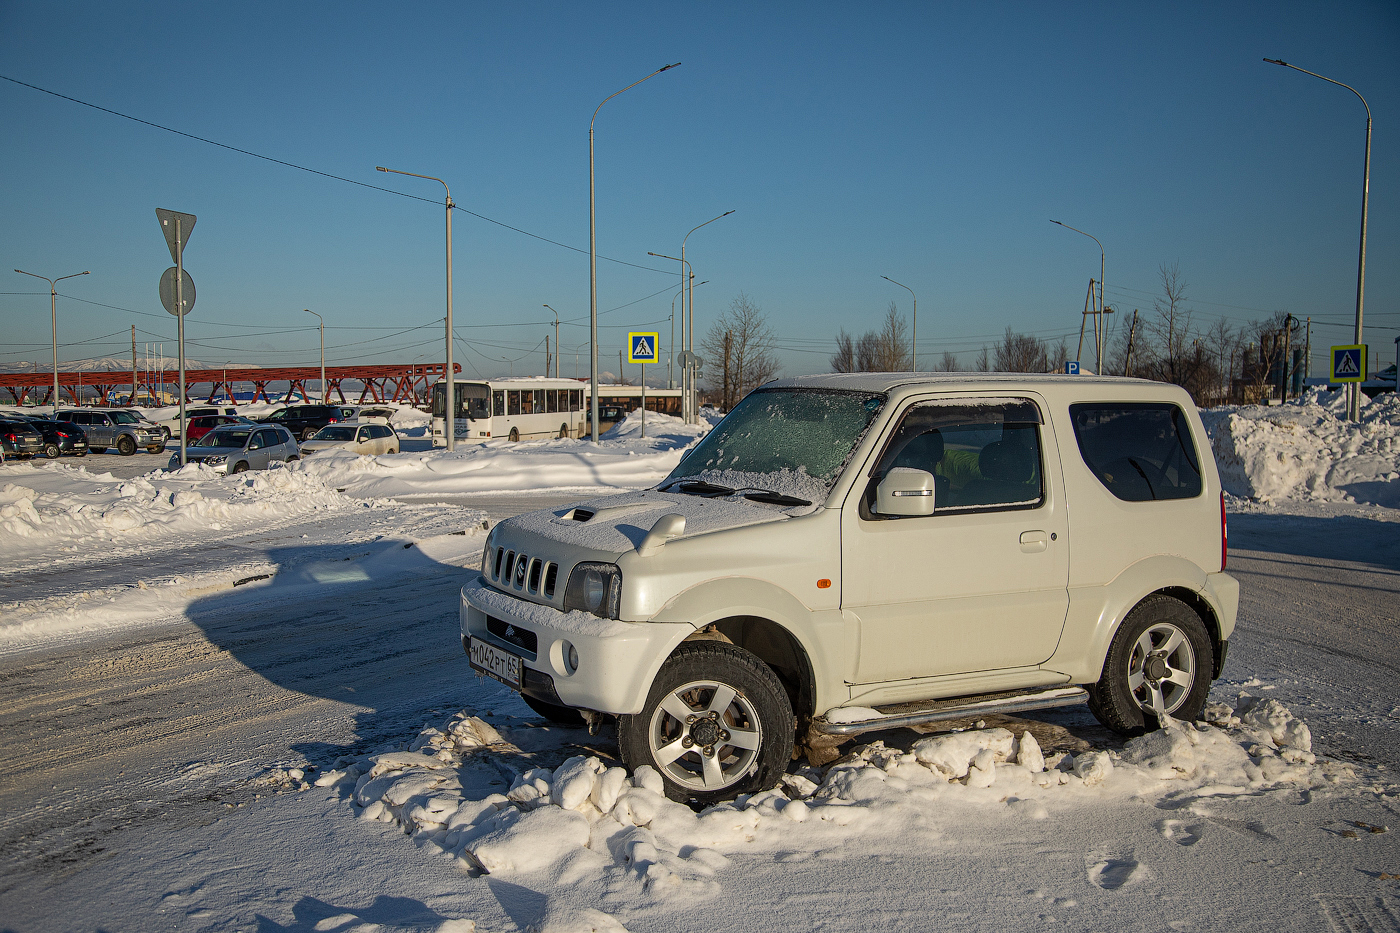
point(1334, 537)
point(311, 914)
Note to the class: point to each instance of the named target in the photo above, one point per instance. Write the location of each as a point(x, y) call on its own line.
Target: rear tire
point(563, 715)
point(293, 458)
point(515, 435)
point(308, 434)
point(153, 449)
point(126, 446)
point(98, 450)
point(717, 723)
point(1160, 662)
point(563, 431)
point(52, 451)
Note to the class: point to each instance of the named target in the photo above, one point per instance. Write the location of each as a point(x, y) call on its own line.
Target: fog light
point(573, 659)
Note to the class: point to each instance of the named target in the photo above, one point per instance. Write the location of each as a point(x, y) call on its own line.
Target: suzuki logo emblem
point(520, 563)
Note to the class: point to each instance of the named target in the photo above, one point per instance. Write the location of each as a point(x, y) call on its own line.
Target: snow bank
point(587, 819)
point(41, 504)
point(621, 459)
point(1303, 451)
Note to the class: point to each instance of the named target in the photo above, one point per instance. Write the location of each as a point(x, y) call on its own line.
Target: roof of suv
point(884, 382)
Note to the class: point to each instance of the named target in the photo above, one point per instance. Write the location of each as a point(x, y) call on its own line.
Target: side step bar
point(911, 714)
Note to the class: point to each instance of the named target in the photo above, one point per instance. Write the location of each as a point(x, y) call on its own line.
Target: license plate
point(496, 663)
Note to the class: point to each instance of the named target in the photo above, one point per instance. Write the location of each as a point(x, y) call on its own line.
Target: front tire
point(1159, 663)
point(717, 723)
point(239, 467)
point(308, 434)
point(563, 431)
point(126, 446)
point(515, 435)
point(153, 449)
point(52, 451)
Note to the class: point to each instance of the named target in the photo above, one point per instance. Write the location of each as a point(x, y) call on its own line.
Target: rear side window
point(1140, 451)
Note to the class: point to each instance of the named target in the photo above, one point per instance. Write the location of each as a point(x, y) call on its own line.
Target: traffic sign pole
point(180, 305)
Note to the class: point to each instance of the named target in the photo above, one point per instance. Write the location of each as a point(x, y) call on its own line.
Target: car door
point(105, 430)
point(256, 448)
point(982, 583)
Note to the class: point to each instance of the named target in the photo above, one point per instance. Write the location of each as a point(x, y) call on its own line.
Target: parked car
point(201, 425)
point(172, 425)
point(234, 448)
point(141, 417)
point(847, 553)
point(351, 435)
point(60, 437)
point(20, 438)
point(304, 420)
point(378, 413)
point(114, 427)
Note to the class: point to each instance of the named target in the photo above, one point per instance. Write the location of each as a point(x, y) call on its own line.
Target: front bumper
point(616, 660)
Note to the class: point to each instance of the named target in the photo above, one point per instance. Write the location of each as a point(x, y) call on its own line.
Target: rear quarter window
point(1140, 451)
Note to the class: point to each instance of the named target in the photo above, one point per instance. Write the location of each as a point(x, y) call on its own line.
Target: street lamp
point(1354, 403)
point(671, 347)
point(688, 374)
point(53, 313)
point(324, 395)
point(593, 261)
point(556, 342)
point(450, 411)
point(914, 331)
point(1098, 340)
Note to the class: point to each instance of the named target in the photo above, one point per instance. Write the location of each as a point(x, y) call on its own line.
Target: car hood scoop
point(619, 523)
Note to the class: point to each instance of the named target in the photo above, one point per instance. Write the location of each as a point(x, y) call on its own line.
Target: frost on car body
point(892, 542)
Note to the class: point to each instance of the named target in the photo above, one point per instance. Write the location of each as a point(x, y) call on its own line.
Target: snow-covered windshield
point(788, 441)
point(335, 432)
point(225, 437)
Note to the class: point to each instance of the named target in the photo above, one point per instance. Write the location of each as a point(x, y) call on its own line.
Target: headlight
point(214, 461)
point(595, 588)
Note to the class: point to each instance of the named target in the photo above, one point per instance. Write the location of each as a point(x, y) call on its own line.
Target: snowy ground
point(239, 704)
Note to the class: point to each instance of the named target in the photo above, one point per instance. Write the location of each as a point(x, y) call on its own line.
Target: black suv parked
point(304, 420)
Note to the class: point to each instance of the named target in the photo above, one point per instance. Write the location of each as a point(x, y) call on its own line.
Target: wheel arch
point(1096, 613)
point(802, 646)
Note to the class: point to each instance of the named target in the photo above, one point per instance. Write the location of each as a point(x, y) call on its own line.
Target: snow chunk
point(952, 755)
point(535, 841)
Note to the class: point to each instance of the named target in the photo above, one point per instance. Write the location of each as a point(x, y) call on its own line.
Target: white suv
point(853, 552)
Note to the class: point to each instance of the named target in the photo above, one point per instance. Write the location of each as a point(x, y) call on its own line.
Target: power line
point(313, 171)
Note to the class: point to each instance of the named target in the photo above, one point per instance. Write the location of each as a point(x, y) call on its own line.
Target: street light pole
point(556, 342)
point(325, 397)
point(593, 262)
point(53, 313)
point(1098, 337)
point(1354, 403)
point(688, 410)
point(449, 382)
point(914, 331)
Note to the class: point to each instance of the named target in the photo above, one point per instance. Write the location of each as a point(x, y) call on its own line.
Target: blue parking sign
point(1071, 367)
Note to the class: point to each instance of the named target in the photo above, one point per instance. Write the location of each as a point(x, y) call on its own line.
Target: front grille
point(523, 639)
point(523, 573)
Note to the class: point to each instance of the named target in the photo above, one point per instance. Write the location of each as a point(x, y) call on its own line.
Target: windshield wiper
point(774, 498)
point(699, 487)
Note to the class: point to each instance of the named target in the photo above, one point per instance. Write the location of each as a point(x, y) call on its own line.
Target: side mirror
point(905, 492)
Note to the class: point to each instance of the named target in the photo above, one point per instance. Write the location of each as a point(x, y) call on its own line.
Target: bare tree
point(844, 359)
point(876, 351)
point(949, 363)
point(1020, 353)
point(739, 347)
point(983, 364)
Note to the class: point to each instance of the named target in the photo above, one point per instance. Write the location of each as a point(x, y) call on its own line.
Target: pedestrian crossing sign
point(1349, 363)
point(641, 346)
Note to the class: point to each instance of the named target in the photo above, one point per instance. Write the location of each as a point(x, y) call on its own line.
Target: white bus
point(516, 409)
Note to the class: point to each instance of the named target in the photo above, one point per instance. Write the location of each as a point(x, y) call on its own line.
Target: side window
point(362, 434)
point(1140, 451)
point(278, 415)
point(985, 455)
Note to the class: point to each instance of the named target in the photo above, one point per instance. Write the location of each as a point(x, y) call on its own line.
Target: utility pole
point(1128, 359)
point(133, 365)
point(1307, 358)
point(546, 354)
point(1287, 352)
point(1088, 304)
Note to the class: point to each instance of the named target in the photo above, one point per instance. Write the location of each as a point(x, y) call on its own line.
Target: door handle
point(1033, 542)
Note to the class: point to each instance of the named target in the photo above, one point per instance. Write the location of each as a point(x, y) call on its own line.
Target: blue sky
point(929, 142)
